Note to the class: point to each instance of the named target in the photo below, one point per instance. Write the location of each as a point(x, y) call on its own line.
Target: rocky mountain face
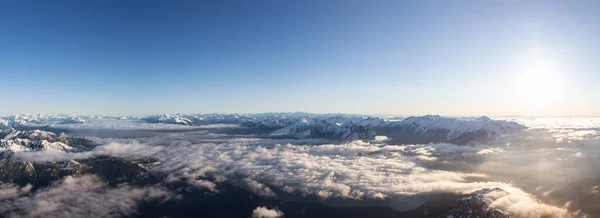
point(478, 205)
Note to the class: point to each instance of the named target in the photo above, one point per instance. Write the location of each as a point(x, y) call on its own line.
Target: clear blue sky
point(378, 57)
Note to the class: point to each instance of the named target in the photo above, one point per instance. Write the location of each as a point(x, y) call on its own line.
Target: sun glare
point(538, 85)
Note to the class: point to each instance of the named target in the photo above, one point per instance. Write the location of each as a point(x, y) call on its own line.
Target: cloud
point(111, 149)
point(447, 149)
point(10, 191)
point(520, 204)
point(114, 124)
point(381, 138)
point(263, 212)
point(82, 196)
point(355, 170)
point(260, 189)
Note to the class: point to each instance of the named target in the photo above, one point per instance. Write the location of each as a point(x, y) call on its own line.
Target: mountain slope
point(433, 128)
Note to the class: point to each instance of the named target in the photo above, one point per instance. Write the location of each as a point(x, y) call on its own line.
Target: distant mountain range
point(423, 129)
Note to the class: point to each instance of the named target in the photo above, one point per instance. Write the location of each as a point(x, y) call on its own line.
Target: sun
point(539, 83)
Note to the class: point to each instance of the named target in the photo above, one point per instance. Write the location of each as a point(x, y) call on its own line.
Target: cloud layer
point(82, 196)
point(129, 150)
point(357, 171)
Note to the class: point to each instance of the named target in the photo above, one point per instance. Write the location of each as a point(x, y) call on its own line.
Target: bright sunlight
point(539, 84)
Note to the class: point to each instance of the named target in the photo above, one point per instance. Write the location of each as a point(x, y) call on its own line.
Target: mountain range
point(423, 129)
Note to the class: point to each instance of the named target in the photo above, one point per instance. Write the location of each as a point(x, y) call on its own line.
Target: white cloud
point(446, 149)
point(381, 138)
point(355, 170)
point(82, 196)
point(263, 212)
point(521, 204)
point(260, 188)
point(111, 149)
point(115, 124)
point(10, 191)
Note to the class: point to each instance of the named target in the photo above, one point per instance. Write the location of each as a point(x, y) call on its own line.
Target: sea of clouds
point(549, 169)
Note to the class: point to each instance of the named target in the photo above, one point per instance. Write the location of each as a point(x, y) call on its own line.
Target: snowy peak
point(458, 127)
point(169, 119)
point(37, 119)
point(335, 128)
point(34, 140)
point(73, 120)
point(4, 124)
point(423, 129)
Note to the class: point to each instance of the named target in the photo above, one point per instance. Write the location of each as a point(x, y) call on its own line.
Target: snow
point(33, 141)
point(458, 127)
point(294, 125)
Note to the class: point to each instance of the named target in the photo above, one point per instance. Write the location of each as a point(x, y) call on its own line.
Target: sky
point(367, 57)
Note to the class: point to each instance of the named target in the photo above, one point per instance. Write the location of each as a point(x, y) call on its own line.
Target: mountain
point(412, 130)
point(39, 174)
point(433, 128)
point(324, 128)
point(478, 205)
point(169, 119)
point(4, 123)
point(35, 140)
point(73, 120)
point(43, 119)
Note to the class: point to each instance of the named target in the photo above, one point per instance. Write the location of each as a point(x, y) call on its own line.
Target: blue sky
point(376, 57)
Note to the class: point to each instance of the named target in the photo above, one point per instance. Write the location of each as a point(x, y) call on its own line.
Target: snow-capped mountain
point(423, 129)
point(73, 120)
point(293, 125)
point(4, 123)
point(457, 127)
point(39, 174)
point(169, 119)
point(324, 128)
point(34, 141)
point(43, 119)
point(5, 128)
point(433, 128)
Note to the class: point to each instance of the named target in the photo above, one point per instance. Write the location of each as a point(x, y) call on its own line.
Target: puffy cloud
point(260, 188)
point(446, 149)
point(381, 138)
point(10, 191)
point(82, 196)
point(521, 204)
point(264, 212)
point(355, 170)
